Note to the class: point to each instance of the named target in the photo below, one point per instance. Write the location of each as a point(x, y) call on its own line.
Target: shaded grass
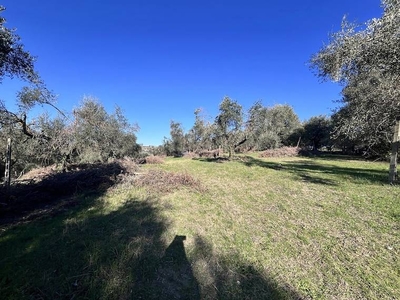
point(262, 229)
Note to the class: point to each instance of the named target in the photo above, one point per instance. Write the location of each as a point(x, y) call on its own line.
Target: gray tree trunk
point(395, 150)
point(7, 173)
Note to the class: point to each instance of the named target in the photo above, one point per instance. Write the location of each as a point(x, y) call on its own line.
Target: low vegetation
point(154, 159)
point(249, 228)
point(281, 152)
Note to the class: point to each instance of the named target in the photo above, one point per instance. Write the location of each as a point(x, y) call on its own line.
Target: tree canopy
point(14, 59)
point(270, 127)
point(366, 60)
point(229, 123)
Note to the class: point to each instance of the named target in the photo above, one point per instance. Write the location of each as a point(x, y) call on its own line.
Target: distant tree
point(283, 121)
point(202, 135)
point(317, 132)
point(295, 138)
point(199, 130)
point(229, 124)
point(177, 142)
point(270, 127)
point(365, 59)
point(255, 126)
point(98, 136)
point(167, 147)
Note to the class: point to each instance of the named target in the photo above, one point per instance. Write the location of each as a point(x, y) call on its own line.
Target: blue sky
point(160, 60)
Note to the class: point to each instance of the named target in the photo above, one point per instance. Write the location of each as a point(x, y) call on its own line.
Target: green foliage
point(202, 135)
point(177, 138)
point(317, 132)
point(98, 136)
point(176, 145)
point(265, 128)
point(14, 60)
point(33, 140)
point(91, 135)
point(270, 127)
point(366, 60)
point(229, 123)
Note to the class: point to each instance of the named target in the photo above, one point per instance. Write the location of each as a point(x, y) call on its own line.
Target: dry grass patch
point(154, 160)
point(190, 155)
point(160, 181)
point(281, 152)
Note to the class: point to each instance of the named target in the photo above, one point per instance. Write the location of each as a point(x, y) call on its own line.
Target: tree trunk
point(7, 173)
point(395, 149)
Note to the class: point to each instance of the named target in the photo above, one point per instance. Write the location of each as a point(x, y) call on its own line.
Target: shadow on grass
point(88, 252)
point(231, 278)
point(172, 277)
point(334, 155)
point(83, 253)
point(219, 159)
point(308, 170)
point(54, 192)
point(59, 241)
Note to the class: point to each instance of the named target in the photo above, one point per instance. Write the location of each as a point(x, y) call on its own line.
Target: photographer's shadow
point(173, 277)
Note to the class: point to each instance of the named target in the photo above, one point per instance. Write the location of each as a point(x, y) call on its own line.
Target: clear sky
point(160, 60)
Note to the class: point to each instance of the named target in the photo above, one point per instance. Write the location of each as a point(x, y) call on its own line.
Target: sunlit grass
point(279, 228)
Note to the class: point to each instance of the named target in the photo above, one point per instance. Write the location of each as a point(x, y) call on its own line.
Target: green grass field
point(251, 228)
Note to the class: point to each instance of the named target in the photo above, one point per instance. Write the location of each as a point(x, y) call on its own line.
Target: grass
point(292, 228)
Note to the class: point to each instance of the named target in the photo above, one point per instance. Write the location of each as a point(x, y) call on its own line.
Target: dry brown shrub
point(165, 182)
point(128, 165)
point(47, 188)
point(153, 160)
point(190, 155)
point(281, 152)
point(39, 173)
point(210, 153)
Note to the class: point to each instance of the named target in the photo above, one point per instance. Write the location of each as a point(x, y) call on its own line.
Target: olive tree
point(15, 61)
point(229, 124)
point(98, 136)
point(366, 60)
point(202, 136)
point(317, 132)
point(177, 138)
point(270, 127)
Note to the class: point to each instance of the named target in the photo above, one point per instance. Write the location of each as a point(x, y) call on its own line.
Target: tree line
point(363, 58)
point(260, 128)
point(89, 134)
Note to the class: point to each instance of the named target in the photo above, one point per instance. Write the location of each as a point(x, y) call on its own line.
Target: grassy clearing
point(293, 228)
